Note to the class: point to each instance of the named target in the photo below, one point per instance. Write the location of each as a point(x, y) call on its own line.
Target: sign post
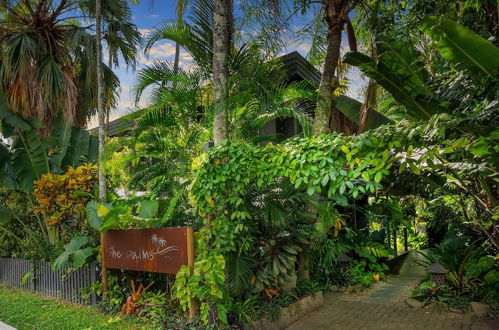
point(190, 263)
point(157, 250)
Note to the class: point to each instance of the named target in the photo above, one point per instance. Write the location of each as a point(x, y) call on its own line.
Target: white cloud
point(153, 16)
point(143, 32)
point(163, 51)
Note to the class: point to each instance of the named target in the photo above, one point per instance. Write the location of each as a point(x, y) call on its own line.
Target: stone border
point(292, 313)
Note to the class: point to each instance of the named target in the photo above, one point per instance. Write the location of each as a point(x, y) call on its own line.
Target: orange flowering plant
point(60, 198)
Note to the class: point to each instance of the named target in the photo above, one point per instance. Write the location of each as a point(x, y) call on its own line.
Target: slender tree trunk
point(177, 57)
point(180, 15)
point(100, 101)
point(108, 107)
point(230, 25)
point(220, 73)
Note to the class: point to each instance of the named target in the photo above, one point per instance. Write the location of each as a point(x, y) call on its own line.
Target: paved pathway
point(4, 326)
point(382, 308)
point(396, 289)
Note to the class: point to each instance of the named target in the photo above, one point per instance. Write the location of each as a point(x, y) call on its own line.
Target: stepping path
point(396, 289)
point(383, 307)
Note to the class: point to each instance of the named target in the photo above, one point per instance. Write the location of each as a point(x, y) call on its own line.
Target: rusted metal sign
point(161, 250)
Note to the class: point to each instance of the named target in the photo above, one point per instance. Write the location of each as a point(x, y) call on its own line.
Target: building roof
point(297, 69)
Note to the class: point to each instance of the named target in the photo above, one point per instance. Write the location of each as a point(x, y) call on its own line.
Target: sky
point(150, 13)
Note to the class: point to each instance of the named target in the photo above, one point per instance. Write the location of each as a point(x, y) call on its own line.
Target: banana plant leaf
point(78, 148)
point(461, 46)
point(62, 134)
point(29, 159)
point(419, 107)
point(26, 157)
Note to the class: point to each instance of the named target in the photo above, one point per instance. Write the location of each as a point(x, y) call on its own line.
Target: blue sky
point(150, 13)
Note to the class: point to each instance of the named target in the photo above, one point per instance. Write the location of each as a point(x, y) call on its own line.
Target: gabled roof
point(296, 66)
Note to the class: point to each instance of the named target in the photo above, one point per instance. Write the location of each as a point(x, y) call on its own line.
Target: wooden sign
point(158, 250)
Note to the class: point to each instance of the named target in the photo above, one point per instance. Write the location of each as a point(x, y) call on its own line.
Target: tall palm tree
point(220, 73)
point(100, 101)
point(181, 4)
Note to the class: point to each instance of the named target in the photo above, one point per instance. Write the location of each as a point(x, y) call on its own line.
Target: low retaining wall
point(39, 277)
point(396, 262)
point(292, 313)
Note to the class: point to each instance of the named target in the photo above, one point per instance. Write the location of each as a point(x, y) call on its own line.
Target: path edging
point(292, 313)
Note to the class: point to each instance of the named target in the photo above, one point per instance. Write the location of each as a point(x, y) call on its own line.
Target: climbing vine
point(328, 166)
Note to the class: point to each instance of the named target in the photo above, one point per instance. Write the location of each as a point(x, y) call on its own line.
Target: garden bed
point(292, 313)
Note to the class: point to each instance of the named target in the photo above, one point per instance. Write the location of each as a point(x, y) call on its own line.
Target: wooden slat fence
point(42, 279)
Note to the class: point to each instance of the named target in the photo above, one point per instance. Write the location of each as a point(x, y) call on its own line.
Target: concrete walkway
point(398, 288)
point(383, 307)
point(4, 326)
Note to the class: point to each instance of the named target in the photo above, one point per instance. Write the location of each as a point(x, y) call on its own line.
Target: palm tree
point(100, 101)
point(48, 62)
point(220, 73)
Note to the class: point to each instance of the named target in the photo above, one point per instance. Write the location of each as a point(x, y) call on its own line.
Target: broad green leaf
point(92, 217)
point(80, 256)
point(365, 176)
point(61, 261)
point(418, 106)
point(76, 243)
point(460, 45)
point(30, 159)
point(492, 277)
point(148, 209)
point(62, 132)
point(102, 211)
point(77, 152)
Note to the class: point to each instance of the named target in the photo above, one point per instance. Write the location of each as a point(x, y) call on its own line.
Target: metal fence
point(39, 277)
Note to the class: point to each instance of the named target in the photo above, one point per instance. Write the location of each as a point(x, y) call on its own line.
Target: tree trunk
point(108, 106)
point(180, 15)
point(369, 103)
point(100, 102)
point(220, 74)
point(329, 82)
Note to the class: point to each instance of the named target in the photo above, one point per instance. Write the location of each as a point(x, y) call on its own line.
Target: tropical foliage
point(278, 215)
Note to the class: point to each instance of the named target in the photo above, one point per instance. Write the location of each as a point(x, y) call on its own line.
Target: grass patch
point(26, 310)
